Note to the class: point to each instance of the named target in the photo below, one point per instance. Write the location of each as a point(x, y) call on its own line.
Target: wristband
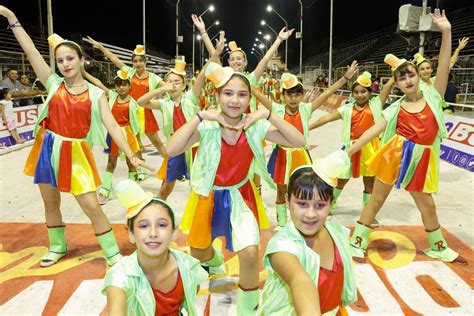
point(199, 117)
point(204, 33)
point(13, 25)
point(346, 78)
point(269, 115)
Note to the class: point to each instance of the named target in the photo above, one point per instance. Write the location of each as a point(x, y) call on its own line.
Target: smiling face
point(122, 87)
point(425, 70)
point(309, 200)
point(407, 79)
point(361, 94)
point(152, 231)
point(234, 97)
point(237, 61)
point(309, 215)
point(69, 62)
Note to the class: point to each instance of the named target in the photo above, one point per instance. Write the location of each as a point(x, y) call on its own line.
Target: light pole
point(216, 22)
point(177, 30)
point(330, 44)
point(258, 40)
point(301, 36)
point(271, 28)
point(210, 8)
point(256, 53)
point(270, 9)
point(143, 25)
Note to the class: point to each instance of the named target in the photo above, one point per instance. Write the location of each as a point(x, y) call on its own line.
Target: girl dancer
point(283, 161)
point(425, 67)
point(124, 109)
point(358, 116)
point(309, 260)
point(224, 201)
point(409, 157)
point(154, 280)
point(177, 109)
point(70, 121)
point(142, 81)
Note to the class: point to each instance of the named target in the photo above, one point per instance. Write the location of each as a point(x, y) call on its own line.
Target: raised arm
point(95, 81)
point(304, 292)
point(215, 57)
point(41, 68)
point(385, 93)
point(368, 135)
point(198, 21)
point(455, 57)
point(351, 70)
point(442, 73)
point(148, 99)
point(334, 116)
point(116, 301)
point(111, 56)
point(262, 98)
point(282, 36)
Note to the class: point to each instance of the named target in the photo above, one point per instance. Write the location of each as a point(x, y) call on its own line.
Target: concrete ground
point(20, 200)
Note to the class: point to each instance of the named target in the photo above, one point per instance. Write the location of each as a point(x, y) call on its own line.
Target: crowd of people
point(220, 149)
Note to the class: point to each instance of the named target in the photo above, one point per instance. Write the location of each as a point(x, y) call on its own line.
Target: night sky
point(121, 25)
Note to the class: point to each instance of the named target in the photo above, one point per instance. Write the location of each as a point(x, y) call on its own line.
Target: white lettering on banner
point(375, 294)
point(87, 298)
point(21, 304)
point(410, 290)
point(463, 133)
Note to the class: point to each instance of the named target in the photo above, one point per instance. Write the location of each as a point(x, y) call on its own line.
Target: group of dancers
point(221, 151)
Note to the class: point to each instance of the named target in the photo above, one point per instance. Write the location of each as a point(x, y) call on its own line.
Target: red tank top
point(420, 128)
point(361, 120)
point(69, 114)
point(168, 304)
point(138, 87)
point(295, 120)
point(235, 162)
point(178, 117)
point(331, 284)
point(120, 111)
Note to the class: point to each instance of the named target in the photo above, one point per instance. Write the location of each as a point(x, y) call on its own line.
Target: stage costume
point(337, 288)
point(224, 200)
point(175, 116)
point(283, 160)
point(141, 299)
point(409, 159)
point(67, 127)
point(139, 87)
point(126, 116)
point(354, 123)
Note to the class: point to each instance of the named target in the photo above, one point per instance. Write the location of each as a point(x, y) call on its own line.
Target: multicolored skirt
point(65, 163)
point(173, 168)
point(283, 161)
point(131, 138)
point(358, 160)
point(148, 124)
point(407, 165)
point(234, 212)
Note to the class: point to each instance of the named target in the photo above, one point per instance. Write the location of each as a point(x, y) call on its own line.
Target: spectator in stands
point(8, 117)
point(11, 82)
point(376, 85)
point(450, 95)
